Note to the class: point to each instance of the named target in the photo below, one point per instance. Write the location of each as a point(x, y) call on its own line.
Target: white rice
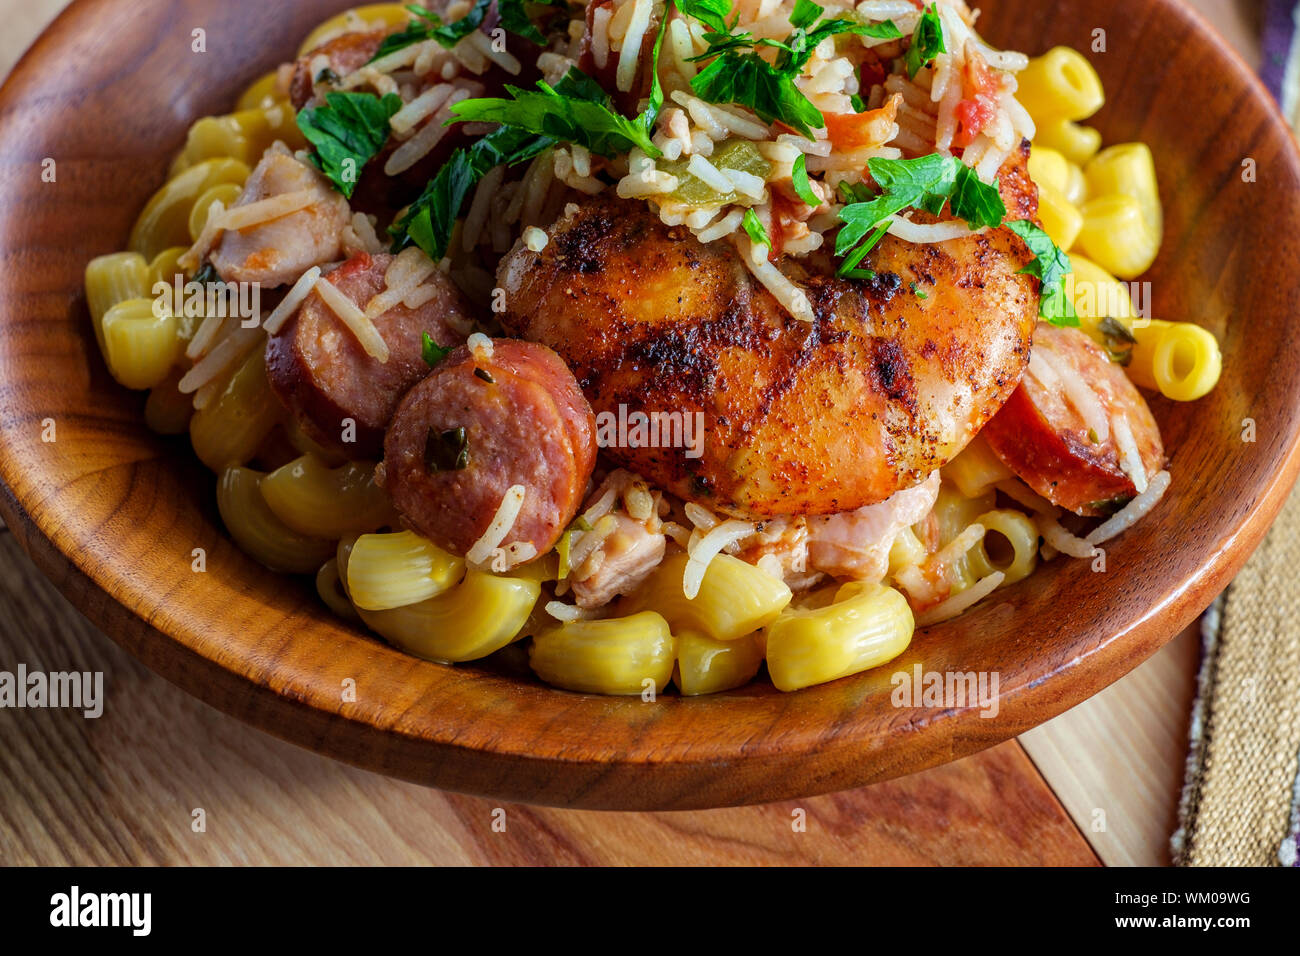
point(501, 525)
point(351, 315)
point(961, 603)
point(427, 139)
point(708, 547)
point(224, 356)
point(630, 55)
point(290, 303)
point(1134, 511)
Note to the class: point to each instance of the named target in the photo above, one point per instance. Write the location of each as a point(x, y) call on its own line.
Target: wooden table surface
point(1098, 784)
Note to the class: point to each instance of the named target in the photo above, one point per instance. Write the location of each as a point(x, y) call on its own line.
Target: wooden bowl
point(112, 513)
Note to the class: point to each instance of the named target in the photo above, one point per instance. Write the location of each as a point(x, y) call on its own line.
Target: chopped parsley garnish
point(327, 75)
point(592, 123)
point(431, 351)
point(737, 74)
point(206, 275)
point(1050, 266)
point(927, 41)
point(429, 26)
point(916, 291)
point(928, 183)
point(429, 220)
point(757, 234)
point(802, 187)
point(1119, 340)
point(575, 110)
point(347, 132)
point(446, 451)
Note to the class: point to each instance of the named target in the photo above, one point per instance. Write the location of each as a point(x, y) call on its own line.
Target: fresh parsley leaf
point(431, 351)
point(925, 182)
point(757, 234)
point(976, 201)
point(655, 101)
point(548, 112)
point(428, 222)
point(1050, 266)
point(859, 104)
point(712, 13)
point(347, 132)
point(916, 291)
point(802, 187)
point(804, 13)
point(429, 26)
point(799, 45)
point(929, 183)
point(737, 74)
point(749, 80)
point(927, 41)
point(515, 19)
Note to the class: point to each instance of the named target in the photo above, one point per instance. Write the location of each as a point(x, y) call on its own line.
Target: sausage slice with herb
point(342, 396)
point(1063, 431)
point(484, 421)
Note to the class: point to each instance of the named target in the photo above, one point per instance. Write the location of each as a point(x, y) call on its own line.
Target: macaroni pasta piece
point(735, 598)
point(259, 532)
point(231, 427)
point(325, 502)
point(614, 656)
point(387, 571)
point(868, 625)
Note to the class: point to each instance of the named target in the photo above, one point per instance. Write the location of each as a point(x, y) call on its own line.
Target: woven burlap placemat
point(1239, 803)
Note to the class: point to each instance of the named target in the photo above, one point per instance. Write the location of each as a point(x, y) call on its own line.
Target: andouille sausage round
point(326, 379)
point(480, 424)
point(1045, 440)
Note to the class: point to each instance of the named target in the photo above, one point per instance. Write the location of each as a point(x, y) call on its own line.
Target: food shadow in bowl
point(113, 513)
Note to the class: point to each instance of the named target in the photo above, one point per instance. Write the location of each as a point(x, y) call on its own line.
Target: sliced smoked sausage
point(480, 424)
point(325, 378)
point(1045, 438)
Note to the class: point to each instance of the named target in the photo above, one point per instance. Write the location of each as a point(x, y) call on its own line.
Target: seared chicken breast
point(892, 379)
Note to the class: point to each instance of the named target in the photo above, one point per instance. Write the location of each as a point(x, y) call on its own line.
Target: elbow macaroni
point(141, 343)
point(386, 571)
point(868, 625)
point(735, 599)
point(478, 617)
point(327, 503)
point(233, 425)
point(259, 532)
point(706, 666)
point(615, 656)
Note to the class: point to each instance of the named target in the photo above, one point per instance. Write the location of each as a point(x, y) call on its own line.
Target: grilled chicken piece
point(816, 419)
